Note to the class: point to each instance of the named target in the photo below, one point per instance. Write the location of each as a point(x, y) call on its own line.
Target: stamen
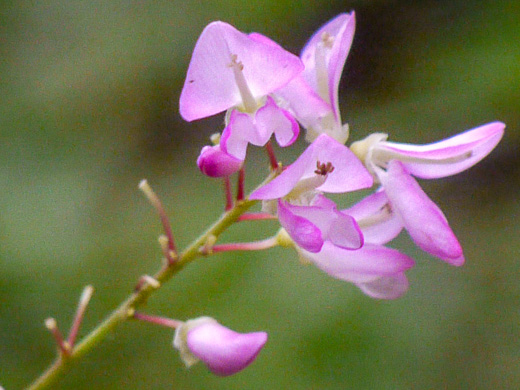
point(327, 40)
point(324, 169)
point(320, 59)
point(248, 100)
point(306, 186)
point(383, 215)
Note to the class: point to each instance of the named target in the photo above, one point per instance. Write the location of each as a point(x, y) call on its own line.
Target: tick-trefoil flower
point(313, 95)
point(309, 218)
point(222, 350)
point(230, 70)
point(394, 164)
point(376, 269)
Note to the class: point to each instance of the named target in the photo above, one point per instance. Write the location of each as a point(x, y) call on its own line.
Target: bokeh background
point(89, 106)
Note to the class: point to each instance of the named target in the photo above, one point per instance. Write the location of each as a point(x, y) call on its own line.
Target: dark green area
point(88, 107)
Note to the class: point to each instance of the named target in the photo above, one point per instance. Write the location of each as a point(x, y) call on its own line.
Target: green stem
point(124, 311)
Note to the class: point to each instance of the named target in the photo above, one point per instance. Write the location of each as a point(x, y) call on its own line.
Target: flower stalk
point(162, 321)
point(246, 246)
point(229, 195)
point(272, 157)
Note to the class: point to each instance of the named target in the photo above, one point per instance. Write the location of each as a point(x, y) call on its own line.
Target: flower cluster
point(266, 91)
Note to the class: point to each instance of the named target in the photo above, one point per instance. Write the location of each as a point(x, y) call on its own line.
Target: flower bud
point(214, 162)
point(224, 351)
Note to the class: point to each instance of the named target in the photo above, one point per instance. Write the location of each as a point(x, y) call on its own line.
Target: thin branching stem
point(126, 309)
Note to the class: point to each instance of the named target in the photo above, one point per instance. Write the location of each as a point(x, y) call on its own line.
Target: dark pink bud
point(224, 351)
point(214, 162)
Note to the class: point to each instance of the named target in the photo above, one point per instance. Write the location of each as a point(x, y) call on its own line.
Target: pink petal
point(349, 173)
point(364, 265)
point(213, 162)
point(386, 287)
point(468, 148)
point(224, 351)
point(210, 85)
point(341, 229)
point(302, 231)
point(244, 129)
point(340, 50)
point(345, 232)
point(237, 135)
point(271, 118)
point(422, 218)
point(342, 28)
point(373, 207)
point(308, 107)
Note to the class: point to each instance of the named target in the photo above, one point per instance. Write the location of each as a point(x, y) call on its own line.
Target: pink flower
point(345, 173)
point(377, 270)
point(394, 164)
point(309, 218)
point(224, 351)
point(313, 95)
point(230, 70)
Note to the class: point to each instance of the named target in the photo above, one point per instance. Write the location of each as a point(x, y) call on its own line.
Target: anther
point(324, 169)
point(234, 62)
point(327, 40)
point(248, 99)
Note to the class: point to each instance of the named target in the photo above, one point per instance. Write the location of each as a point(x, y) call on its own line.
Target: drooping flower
point(223, 351)
point(394, 164)
point(230, 70)
point(376, 269)
point(308, 217)
point(313, 95)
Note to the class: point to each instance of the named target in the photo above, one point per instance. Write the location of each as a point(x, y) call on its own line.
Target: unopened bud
point(213, 162)
point(224, 351)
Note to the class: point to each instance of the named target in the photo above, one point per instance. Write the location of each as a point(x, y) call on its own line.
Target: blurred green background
point(89, 95)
